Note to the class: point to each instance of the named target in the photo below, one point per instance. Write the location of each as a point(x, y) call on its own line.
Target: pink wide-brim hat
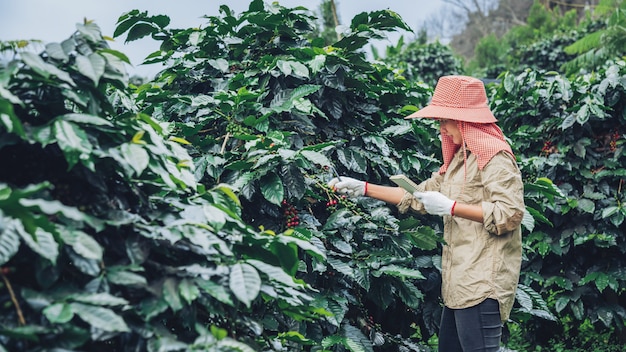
point(460, 98)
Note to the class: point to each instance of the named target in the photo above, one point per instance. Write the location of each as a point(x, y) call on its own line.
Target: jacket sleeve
point(409, 202)
point(503, 204)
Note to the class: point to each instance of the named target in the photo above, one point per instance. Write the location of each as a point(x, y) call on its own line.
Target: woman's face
point(450, 129)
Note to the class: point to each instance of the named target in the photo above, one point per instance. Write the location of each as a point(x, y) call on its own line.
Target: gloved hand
point(435, 203)
point(348, 186)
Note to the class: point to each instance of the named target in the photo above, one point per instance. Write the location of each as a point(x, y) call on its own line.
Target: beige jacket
point(479, 260)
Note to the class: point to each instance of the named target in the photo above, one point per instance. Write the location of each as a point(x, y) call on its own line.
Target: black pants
point(474, 329)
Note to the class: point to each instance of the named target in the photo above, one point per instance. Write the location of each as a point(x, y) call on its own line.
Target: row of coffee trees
point(191, 212)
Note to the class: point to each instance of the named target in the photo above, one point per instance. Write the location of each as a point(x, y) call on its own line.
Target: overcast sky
point(54, 21)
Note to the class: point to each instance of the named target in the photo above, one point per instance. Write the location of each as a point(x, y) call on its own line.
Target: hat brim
point(476, 115)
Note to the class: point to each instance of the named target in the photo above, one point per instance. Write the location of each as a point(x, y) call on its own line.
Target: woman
point(479, 193)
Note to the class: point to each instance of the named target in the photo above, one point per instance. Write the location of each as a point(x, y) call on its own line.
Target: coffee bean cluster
point(291, 214)
point(235, 128)
point(336, 200)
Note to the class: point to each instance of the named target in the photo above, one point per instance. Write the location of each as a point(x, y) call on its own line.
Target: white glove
point(435, 203)
point(348, 186)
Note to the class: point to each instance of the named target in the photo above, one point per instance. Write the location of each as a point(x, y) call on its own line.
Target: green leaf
point(618, 218)
point(125, 278)
point(44, 69)
point(561, 303)
point(91, 31)
point(295, 336)
point(100, 318)
point(91, 66)
point(356, 341)
point(188, 290)
point(609, 211)
point(139, 31)
point(528, 221)
point(580, 147)
point(9, 239)
point(274, 273)
point(423, 237)
point(214, 216)
point(410, 294)
point(86, 119)
point(7, 115)
point(293, 181)
point(332, 340)
point(284, 99)
point(602, 281)
point(538, 215)
point(41, 241)
point(305, 245)
point(245, 282)
point(266, 160)
point(229, 344)
point(578, 309)
point(9, 98)
point(340, 218)
point(127, 20)
point(166, 344)
point(83, 244)
point(524, 300)
point(287, 254)
point(136, 156)
point(353, 160)
point(215, 290)
point(272, 188)
point(316, 157)
point(509, 82)
point(58, 313)
point(532, 303)
point(171, 295)
point(54, 207)
point(294, 68)
point(317, 63)
point(109, 53)
point(55, 51)
point(284, 67)
point(74, 143)
point(582, 114)
point(586, 205)
point(220, 64)
point(606, 315)
point(99, 299)
point(341, 267)
point(402, 272)
point(28, 332)
point(36, 63)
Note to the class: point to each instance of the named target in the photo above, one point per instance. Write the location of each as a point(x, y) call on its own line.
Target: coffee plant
point(572, 132)
point(424, 62)
point(192, 212)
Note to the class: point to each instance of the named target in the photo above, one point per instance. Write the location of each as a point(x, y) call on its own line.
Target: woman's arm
point(504, 207)
point(472, 212)
point(387, 194)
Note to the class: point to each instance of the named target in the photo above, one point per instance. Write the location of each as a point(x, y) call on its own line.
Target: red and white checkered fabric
point(460, 98)
point(484, 140)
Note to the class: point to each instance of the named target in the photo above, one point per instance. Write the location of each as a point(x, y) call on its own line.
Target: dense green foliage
point(601, 44)
point(538, 44)
point(423, 62)
point(163, 217)
point(572, 131)
point(192, 213)
point(108, 242)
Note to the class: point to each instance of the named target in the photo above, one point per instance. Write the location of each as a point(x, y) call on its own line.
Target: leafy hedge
point(424, 62)
point(572, 132)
